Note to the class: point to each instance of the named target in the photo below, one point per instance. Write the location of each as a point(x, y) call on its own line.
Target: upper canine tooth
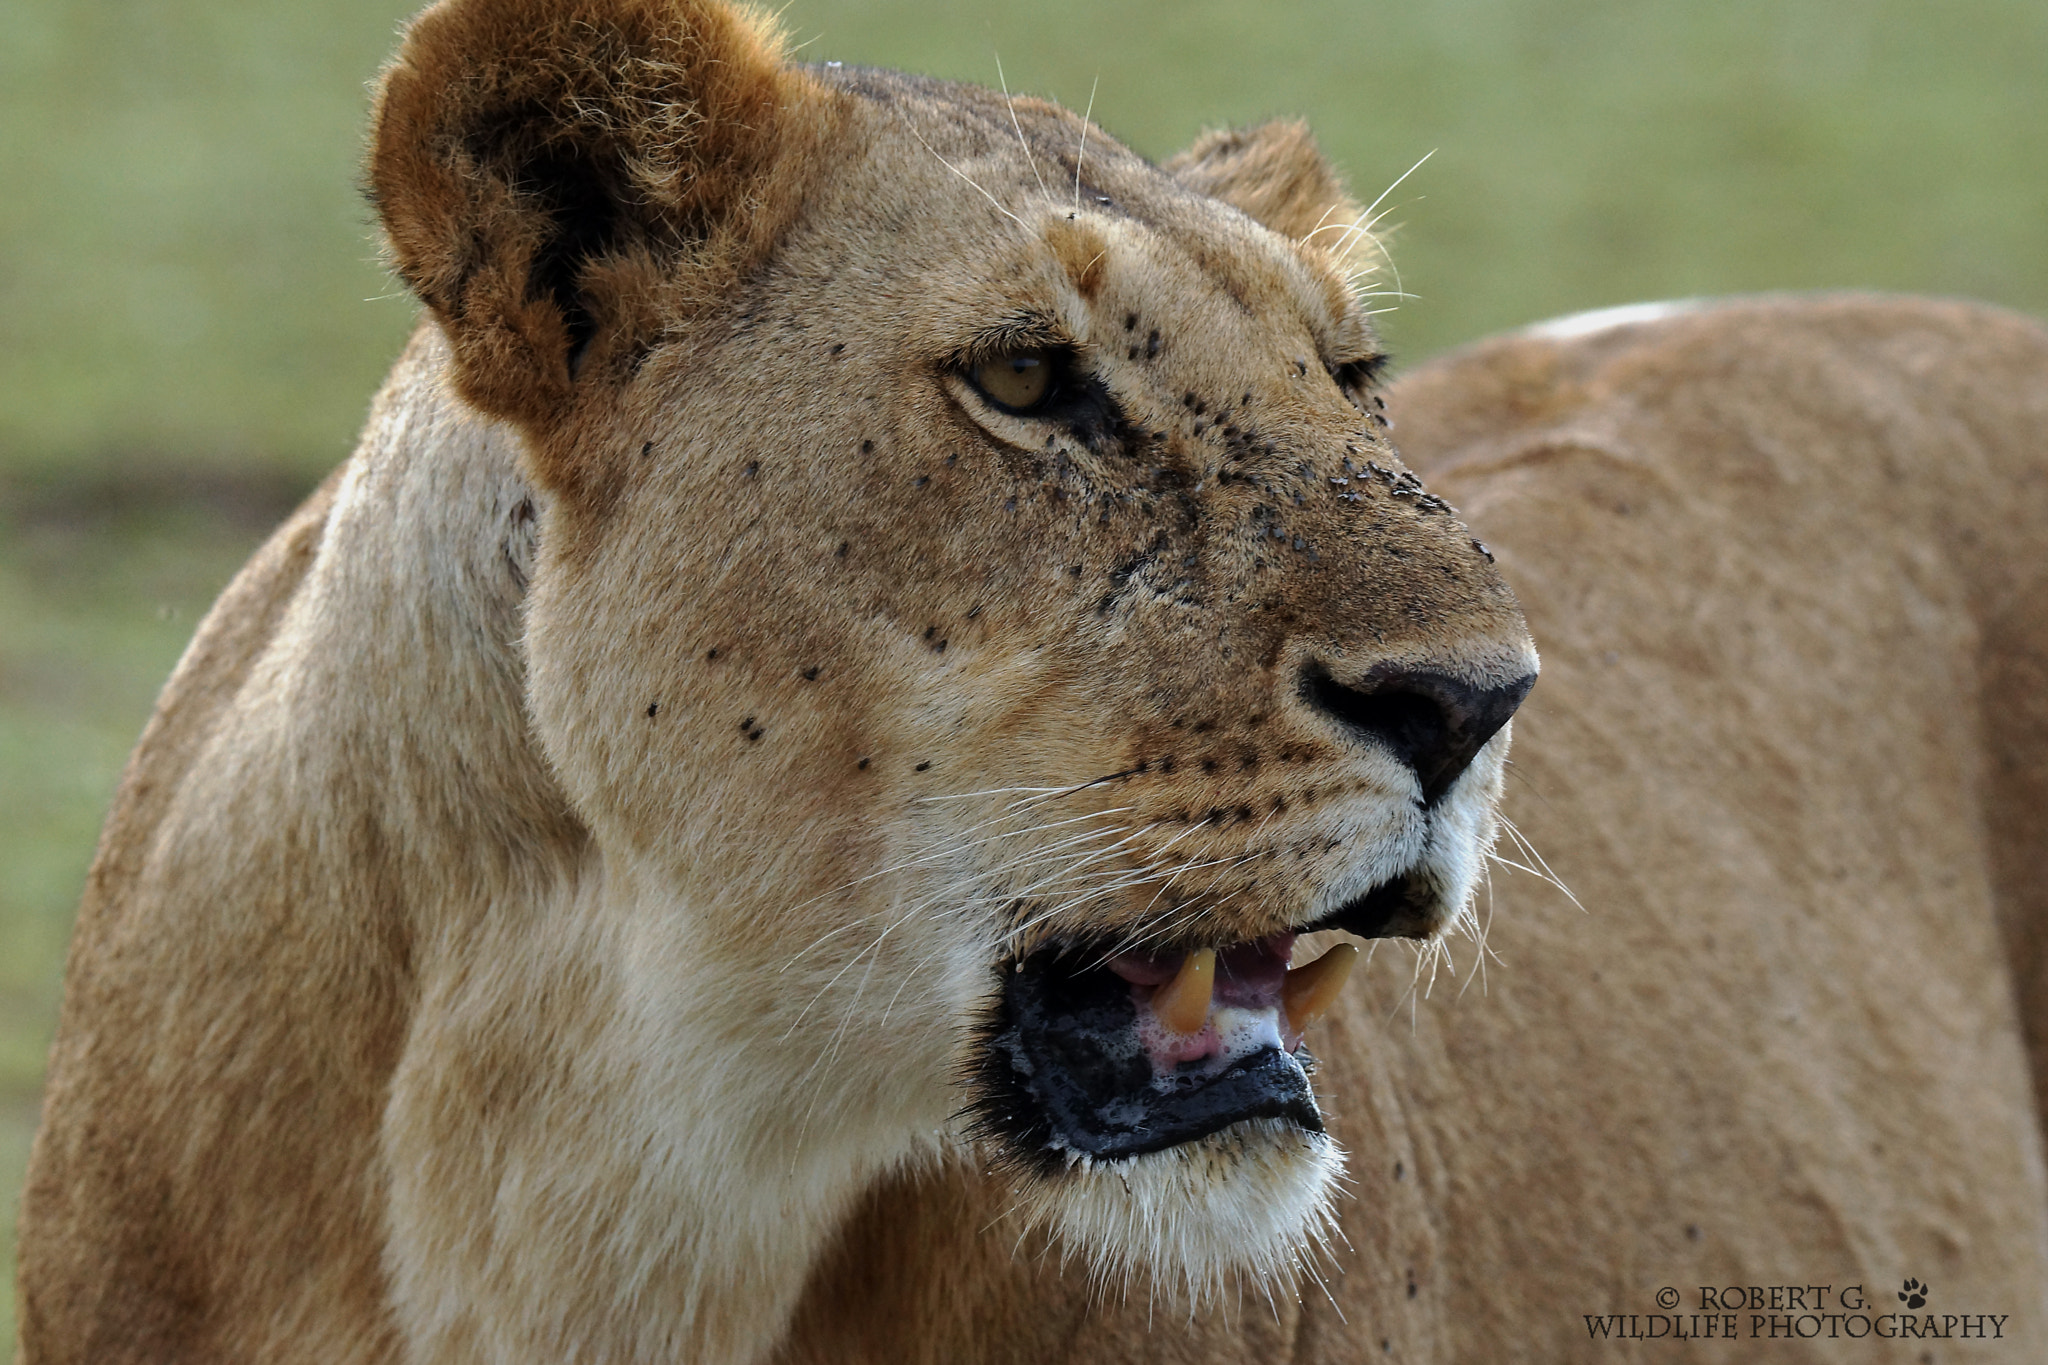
point(1182, 1004)
point(1308, 992)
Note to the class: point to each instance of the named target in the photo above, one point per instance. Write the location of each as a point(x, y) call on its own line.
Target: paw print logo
point(1914, 1294)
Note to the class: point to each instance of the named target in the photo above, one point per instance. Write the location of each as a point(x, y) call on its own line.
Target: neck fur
point(588, 1140)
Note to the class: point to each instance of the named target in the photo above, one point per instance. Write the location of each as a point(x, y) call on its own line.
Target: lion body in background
point(528, 928)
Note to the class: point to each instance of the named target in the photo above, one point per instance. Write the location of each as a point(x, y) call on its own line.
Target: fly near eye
point(1018, 380)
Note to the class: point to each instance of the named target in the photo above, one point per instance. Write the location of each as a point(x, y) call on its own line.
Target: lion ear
point(554, 176)
point(1277, 175)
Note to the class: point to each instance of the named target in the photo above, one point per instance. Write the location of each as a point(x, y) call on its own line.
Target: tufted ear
point(1276, 174)
point(559, 179)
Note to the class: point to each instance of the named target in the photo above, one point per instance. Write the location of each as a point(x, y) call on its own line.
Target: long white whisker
point(1131, 943)
point(1109, 881)
point(1402, 291)
point(1360, 227)
point(1082, 154)
point(1397, 183)
point(1478, 972)
point(1152, 871)
point(1541, 872)
point(1522, 842)
point(1321, 219)
point(1178, 871)
point(915, 973)
point(1029, 858)
point(848, 966)
point(1011, 104)
point(1079, 885)
point(963, 175)
point(987, 791)
point(1098, 883)
point(1038, 857)
point(916, 908)
point(958, 848)
point(1076, 789)
point(1028, 891)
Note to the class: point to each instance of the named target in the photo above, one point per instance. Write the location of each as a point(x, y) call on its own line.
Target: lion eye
point(1018, 380)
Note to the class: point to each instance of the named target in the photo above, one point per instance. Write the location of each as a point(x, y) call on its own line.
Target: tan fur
point(548, 915)
point(1784, 559)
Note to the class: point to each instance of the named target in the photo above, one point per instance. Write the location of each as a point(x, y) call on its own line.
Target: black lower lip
point(1061, 1074)
point(1395, 909)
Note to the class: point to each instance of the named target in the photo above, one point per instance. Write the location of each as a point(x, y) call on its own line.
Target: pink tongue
point(1248, 977)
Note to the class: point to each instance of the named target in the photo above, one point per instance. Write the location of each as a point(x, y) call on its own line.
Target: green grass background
point(192, 316)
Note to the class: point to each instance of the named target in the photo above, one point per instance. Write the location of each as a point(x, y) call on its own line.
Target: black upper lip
point(1376, 914)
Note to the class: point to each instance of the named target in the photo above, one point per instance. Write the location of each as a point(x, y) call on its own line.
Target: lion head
point(979, 616)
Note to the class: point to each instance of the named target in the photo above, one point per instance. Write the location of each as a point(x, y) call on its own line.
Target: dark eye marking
point(1357, 377)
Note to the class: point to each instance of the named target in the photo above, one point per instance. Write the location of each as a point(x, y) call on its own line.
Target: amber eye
point(1019, 380)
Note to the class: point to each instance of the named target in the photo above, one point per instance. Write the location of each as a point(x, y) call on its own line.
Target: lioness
point(771, 811)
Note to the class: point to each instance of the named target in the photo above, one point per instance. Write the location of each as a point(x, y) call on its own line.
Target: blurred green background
point(192, 316)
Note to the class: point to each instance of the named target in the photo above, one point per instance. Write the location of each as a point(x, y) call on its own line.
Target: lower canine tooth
point(1308, 992)
point(1182, 1004)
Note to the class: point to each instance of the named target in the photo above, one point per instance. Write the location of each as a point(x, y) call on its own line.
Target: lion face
point(980, 618)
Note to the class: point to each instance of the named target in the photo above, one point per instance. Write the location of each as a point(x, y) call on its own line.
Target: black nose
point(1431, 722)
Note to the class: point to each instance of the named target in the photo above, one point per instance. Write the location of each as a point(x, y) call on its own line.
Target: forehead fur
point(1001, 175)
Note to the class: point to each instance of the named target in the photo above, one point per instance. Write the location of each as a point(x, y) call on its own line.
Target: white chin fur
point(1252, 1201)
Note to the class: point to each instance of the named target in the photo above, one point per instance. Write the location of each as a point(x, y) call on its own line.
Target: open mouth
point(1104, 1056)
point(1107, 1058)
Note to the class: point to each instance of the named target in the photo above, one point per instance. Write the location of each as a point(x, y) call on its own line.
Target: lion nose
point(1432, 722)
